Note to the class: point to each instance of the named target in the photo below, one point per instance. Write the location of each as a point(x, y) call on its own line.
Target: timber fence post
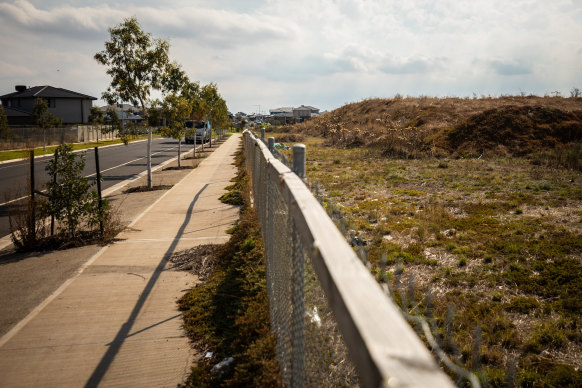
point(299, 160)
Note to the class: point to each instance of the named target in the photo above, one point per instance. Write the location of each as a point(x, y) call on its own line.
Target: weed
point(229, 313)
point(523, 305)
point(495, 223)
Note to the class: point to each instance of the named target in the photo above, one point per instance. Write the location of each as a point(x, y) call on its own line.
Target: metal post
point(298, 312)
point(149, 158)
point(271, 144)
point(98, 177)
point(299, 160)
point(54, 184)
point(194, 137)
point(32, 206)
point(263, 134)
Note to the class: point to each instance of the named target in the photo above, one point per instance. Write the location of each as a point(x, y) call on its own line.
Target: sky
point(265, 54)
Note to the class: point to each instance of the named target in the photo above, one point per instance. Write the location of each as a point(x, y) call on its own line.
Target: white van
point(202, 132)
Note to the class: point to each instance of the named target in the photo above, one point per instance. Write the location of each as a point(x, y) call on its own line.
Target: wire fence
point(335, 325)
point(29, 137)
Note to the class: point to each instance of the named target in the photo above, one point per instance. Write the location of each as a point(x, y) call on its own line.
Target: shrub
point(523, 305)
point(70, 200)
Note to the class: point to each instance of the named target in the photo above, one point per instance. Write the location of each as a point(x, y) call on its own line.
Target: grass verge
point(228, 314)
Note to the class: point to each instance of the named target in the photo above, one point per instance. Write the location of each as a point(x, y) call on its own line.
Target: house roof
point(47, 92)
point(306, 107)
point(281, 110)
point(121, 107)
point(12, 112)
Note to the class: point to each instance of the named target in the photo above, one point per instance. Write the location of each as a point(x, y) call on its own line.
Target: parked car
point(200, 132)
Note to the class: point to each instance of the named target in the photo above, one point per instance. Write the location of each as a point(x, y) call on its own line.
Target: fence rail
point(323, 300)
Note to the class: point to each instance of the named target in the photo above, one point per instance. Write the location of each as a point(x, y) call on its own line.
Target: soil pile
point(415, 127)
point(514, 131)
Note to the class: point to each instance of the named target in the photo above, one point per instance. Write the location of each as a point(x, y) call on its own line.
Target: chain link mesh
point(310, 349)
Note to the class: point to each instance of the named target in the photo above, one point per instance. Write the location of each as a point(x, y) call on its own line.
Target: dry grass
point(426, 126)
point(496, 239)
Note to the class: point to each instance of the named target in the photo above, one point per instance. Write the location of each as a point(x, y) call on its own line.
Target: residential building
point(305, 112)
point(125, 113)
point(71, 107)
point(286, 115)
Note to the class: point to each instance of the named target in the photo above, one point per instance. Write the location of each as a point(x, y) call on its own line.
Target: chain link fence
point(30, 137)
point(335, 326)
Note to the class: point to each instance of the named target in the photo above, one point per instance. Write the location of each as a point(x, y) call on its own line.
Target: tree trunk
point(179, 153)
point(149, 158)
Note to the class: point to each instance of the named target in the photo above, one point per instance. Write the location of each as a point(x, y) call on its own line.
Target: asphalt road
point(117, 163)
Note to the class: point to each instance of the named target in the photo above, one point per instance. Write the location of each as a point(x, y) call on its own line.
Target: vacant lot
point(476, 214)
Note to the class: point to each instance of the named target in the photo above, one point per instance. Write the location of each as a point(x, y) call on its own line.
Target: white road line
point(12, 332)
point(89, 176)
point(6, 240)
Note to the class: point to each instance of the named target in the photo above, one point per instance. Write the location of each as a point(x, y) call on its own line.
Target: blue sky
point(323, 53)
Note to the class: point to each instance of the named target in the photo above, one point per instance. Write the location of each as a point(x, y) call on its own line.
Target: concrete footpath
point(116, 324)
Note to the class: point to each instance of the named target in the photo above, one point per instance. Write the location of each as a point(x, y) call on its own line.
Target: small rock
point(387, 237)
point(357, 242)
point(450, 232)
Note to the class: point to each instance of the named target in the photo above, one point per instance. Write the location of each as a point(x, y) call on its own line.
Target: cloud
point(410, 65)
point(509, 67)
point(320, 53)
point(69, 22)
point(205, 26)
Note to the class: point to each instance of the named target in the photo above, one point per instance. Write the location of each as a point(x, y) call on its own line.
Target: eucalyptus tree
point(214, 106)
point(96, 119)
point(176, 109)
point(44, 118)
point(138, 64)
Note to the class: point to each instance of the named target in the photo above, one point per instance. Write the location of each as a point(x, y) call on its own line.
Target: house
point(286, 115)
point(125, 113)
point(130, 109)
point(284, 112)
point(18, 117)
point(71, 107)
point(305, 112)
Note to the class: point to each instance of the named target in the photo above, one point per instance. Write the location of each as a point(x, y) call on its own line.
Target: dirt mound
point(414, 127)
point(514, 130)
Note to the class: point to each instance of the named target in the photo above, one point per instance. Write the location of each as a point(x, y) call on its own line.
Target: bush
point(72, 203)
point(70, 200)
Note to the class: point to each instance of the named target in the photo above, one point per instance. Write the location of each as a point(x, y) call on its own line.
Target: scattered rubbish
point(222, 368)
point(282, 146)
point(314, 316)
point(208, 355)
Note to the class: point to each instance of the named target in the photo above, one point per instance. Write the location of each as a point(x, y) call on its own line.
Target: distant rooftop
point(46, 92)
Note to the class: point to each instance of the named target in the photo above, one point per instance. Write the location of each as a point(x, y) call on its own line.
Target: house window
point(50, 102)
